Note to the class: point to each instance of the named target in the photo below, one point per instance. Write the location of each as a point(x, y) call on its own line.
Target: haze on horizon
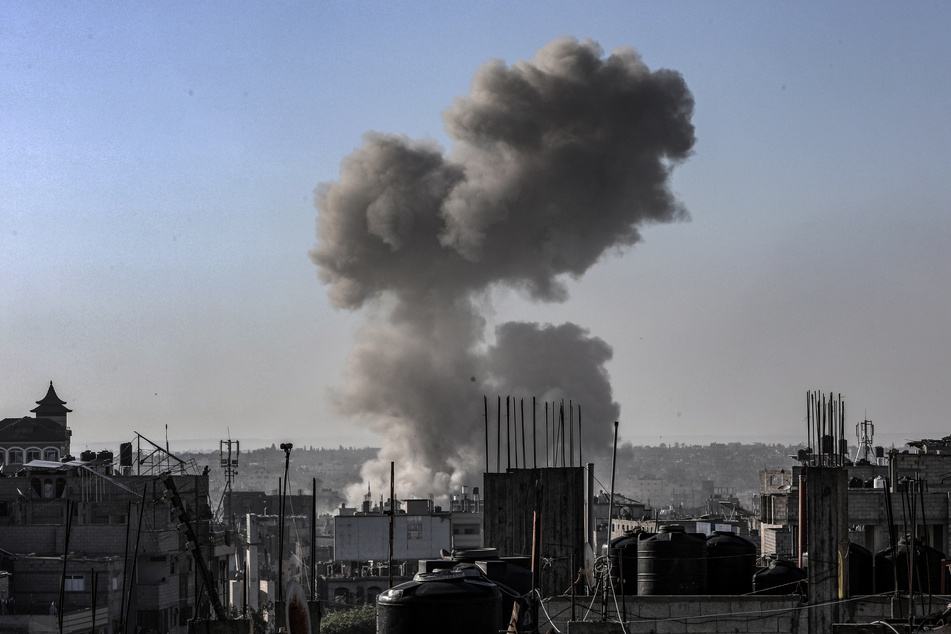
point(158, 172)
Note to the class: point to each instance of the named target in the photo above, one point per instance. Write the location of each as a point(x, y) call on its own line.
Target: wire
point(541, 603)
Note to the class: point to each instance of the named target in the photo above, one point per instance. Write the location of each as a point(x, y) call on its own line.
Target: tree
point(360, 620)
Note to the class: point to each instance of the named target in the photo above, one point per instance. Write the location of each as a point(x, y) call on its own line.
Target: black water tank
point(672, 562)
point(731, 563)
point(105, 456)
point(125, 454)
point(87, 455)
point(927, 564)
point(460, 601)
point(780, 577)
point(860, 571)
point(622, 553)
point(474, 554)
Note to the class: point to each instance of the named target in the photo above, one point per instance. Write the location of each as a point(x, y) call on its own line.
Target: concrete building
point(43, 437)
point(871, 487)
point(86, 548)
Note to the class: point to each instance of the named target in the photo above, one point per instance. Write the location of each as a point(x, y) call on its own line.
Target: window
point(32, 454)
point(50, 454)
point(3, 457)
point(75, 583)
point(15, 456)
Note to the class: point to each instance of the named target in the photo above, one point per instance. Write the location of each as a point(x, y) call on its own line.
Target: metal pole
point(579, 437)
point(313, 541)
point(280, 564)
point(571, 433)
point(561, 415)
point(389, 561)
point(547, 444)
point(521, 405)
point(613, 470)
point(125, 565)
point(508, 434)
point(536, 550)
point(485, 402)
point(135, 561)
point(62, 583)
point(498, 435)
point(534, 438)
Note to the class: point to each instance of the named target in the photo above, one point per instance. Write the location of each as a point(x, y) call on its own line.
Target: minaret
point(52, 407)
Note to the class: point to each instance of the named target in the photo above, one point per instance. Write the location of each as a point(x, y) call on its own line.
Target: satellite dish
point(296, 611)
point(589, 566)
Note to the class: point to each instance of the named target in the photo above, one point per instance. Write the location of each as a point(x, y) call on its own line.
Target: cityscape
point(475, 317)
point(147, 540)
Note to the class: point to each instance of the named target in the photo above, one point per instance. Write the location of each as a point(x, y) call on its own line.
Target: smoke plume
point(554, 162)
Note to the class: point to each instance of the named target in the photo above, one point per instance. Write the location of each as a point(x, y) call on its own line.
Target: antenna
point(228, 452)
point(865, 432)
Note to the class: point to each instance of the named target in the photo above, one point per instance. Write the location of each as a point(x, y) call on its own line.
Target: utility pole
point(228, 452)
point(192, 544)
point(286, 446)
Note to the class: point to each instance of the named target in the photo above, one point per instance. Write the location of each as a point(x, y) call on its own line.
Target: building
point(88, 547)
point(43, 437)
point(880, 494)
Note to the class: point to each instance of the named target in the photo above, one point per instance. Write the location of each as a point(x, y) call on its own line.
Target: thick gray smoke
point(555, 161)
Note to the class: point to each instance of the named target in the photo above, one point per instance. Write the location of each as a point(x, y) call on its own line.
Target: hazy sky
point(158, 163)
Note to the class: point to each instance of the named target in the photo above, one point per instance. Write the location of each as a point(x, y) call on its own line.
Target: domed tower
point(51, 407)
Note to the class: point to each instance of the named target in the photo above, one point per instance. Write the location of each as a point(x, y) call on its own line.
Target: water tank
point(461, 601)
point(780, 577)
point(125, 454)
point(474, 554)
point(927, 566)
point(731, 563)
point(672, 562)
point(87, 455)
point(860, 571)
point(622, 553)
point(105, 456)
point(880, 482)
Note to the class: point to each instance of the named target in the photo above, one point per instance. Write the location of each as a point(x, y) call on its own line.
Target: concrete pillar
point(827, 511)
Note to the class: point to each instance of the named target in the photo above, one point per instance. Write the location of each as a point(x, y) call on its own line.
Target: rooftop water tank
point(622, 553)
point(461, 601)
point(926, 564)
point(731, 563)
point(672, 562)
point(780, 577)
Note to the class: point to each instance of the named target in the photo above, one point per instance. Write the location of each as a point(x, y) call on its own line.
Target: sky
point(158, 170)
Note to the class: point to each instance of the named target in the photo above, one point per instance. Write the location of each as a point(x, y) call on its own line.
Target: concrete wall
point(693, 614)
point(712, 614)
